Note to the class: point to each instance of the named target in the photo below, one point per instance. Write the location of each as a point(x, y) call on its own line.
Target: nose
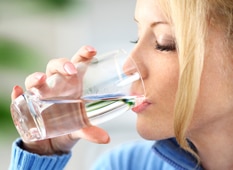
point(130, 66)
point(131, 69)
point(135, 62)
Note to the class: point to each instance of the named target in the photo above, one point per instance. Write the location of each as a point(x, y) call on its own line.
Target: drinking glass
point(100, 91)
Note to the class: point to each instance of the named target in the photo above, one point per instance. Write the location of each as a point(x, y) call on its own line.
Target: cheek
point(163, 82)
point(161, 86)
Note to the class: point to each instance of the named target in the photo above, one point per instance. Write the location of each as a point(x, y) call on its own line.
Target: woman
point(184, 55)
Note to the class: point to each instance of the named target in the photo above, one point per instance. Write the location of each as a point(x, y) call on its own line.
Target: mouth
point(140, 105)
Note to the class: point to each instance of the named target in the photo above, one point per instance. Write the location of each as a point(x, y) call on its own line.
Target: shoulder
point(130, 156)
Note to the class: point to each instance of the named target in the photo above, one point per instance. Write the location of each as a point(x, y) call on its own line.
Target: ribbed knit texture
point(23, 160)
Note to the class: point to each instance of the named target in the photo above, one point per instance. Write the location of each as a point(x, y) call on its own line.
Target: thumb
point(93, 134)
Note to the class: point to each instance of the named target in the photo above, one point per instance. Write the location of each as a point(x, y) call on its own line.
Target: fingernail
point(107, 139)
point(90, 49)
point(39, 75)
point(70, 69)
point(16, 88)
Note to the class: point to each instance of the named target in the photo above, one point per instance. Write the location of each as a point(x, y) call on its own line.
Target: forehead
point(148, 11)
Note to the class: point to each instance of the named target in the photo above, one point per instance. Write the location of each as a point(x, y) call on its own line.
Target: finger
point(93, 134)
point(35, 80)
point(66, 67)
point(62, 66)
point(17, 91)
point(83, 54)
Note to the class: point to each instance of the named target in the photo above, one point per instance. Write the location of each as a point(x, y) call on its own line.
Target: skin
point(61, 144)
point(211, 128)
point(157, 61)
point(159, 70)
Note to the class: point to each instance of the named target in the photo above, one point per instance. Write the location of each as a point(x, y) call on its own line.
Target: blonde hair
point(190, 20)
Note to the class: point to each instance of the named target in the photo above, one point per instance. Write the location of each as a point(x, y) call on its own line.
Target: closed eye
point(167, 47)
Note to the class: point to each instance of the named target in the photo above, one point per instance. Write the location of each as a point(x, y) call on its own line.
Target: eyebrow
point(153, 24)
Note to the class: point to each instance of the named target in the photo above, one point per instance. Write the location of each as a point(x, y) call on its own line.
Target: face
point(157, 59)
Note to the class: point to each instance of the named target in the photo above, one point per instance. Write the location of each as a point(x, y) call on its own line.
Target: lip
point(140, 106)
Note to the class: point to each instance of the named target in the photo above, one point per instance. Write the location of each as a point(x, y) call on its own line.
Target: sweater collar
point(171, 152)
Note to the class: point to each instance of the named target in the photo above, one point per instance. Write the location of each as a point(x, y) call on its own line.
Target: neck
point(215, 145)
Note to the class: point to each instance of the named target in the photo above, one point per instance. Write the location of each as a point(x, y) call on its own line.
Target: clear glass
point(99, 92)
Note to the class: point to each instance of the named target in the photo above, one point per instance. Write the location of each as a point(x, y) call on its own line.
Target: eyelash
point(169, 47)
point(134, 42)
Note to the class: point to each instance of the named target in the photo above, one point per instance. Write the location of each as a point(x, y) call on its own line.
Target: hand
point(64, 143)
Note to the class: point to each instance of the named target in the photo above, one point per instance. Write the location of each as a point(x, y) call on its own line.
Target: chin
point(152, 133)
point(147, 133)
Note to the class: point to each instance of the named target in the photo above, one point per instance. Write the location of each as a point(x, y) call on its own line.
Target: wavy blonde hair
point(190, 20)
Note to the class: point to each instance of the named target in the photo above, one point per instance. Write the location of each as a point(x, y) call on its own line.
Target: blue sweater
point(140, 155)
